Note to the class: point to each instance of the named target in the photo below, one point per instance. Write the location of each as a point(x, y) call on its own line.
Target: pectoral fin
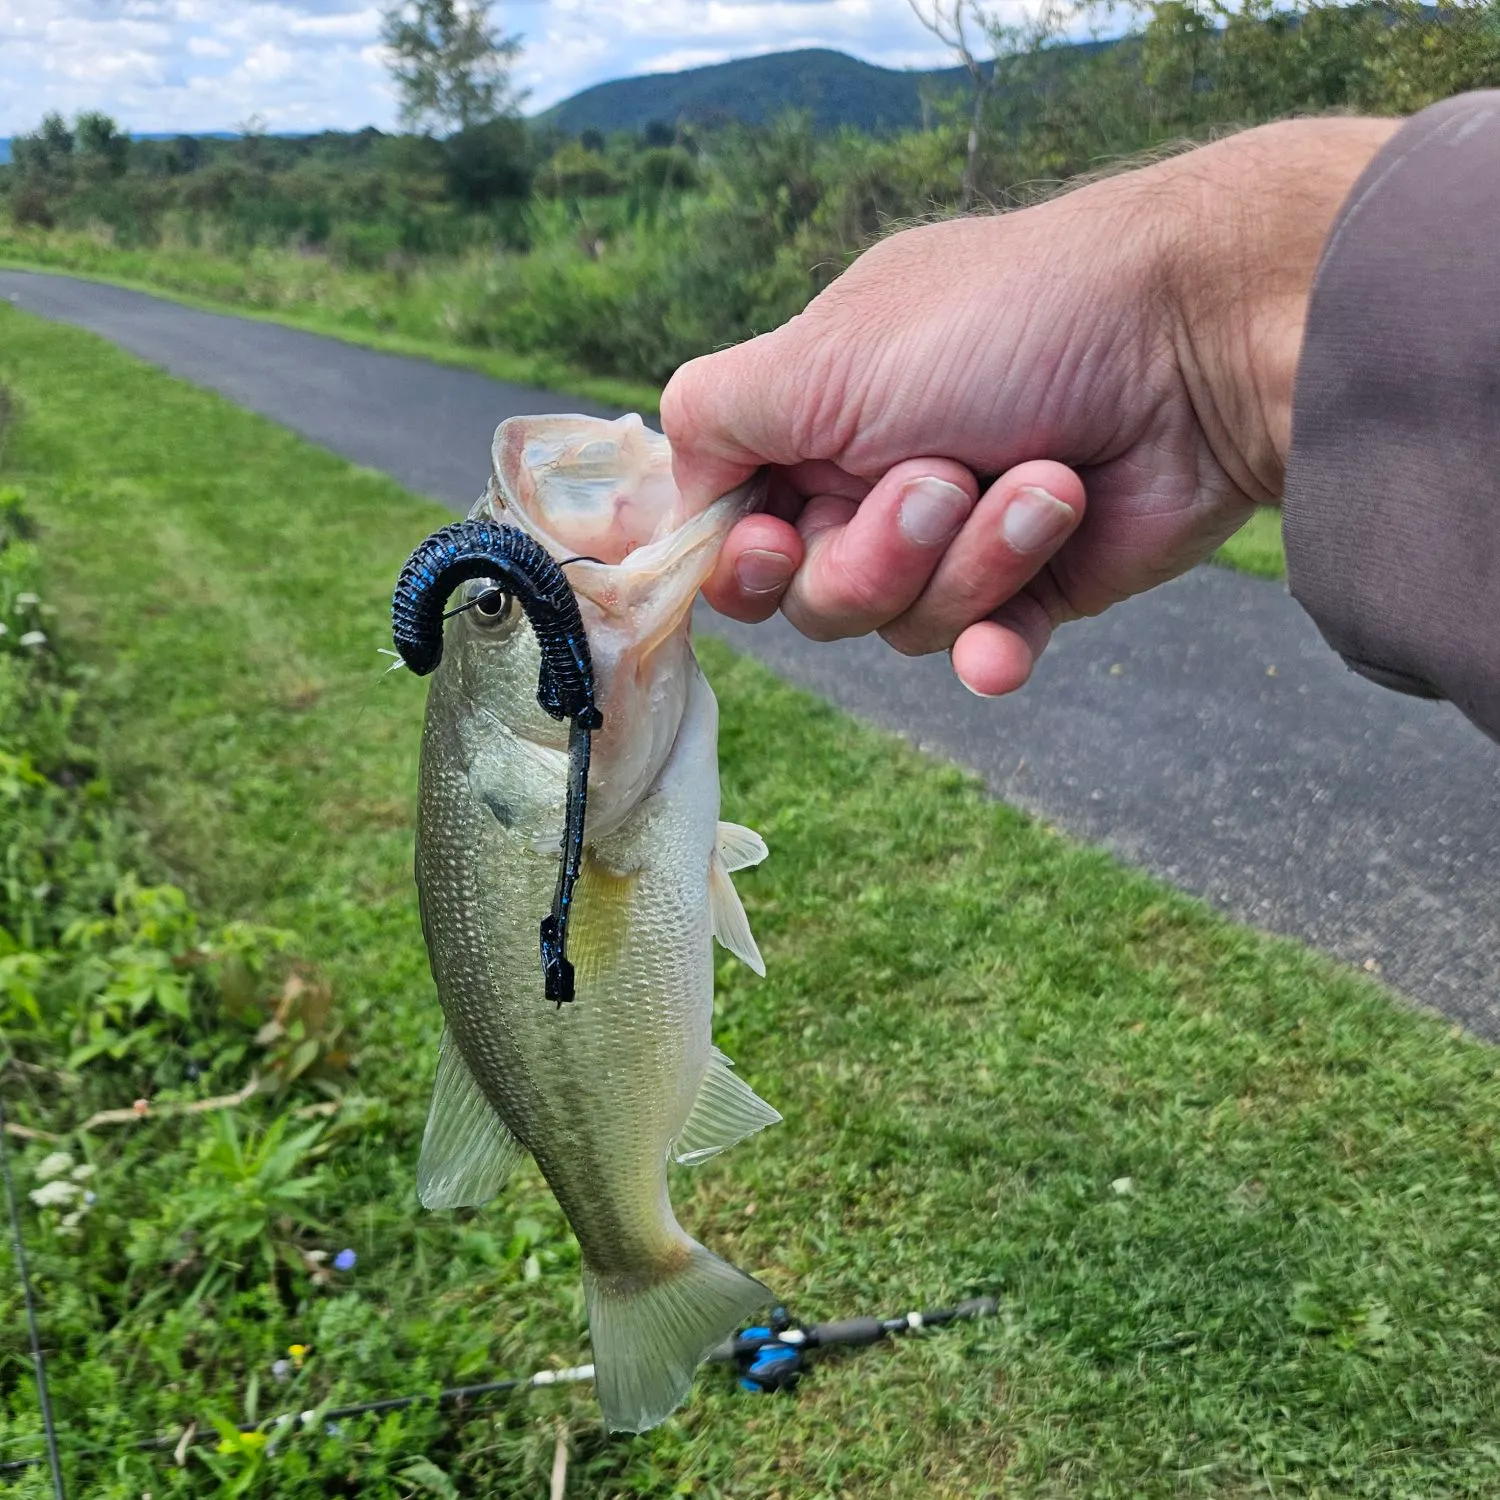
point(739, 847)
point(726, 1110)
point(467, 1152)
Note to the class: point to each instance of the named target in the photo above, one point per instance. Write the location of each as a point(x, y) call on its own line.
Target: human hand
point(934, 420)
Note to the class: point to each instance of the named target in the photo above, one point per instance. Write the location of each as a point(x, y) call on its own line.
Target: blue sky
point(310, 64)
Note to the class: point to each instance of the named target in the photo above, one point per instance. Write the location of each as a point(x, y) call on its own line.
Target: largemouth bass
point(604, 1090)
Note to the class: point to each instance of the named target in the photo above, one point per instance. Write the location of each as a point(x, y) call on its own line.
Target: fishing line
point(769, 1358)
point(475, 603)
point(39, 1363)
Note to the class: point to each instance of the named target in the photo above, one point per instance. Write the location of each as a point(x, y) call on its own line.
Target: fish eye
point(494, 608)
point(488, 605)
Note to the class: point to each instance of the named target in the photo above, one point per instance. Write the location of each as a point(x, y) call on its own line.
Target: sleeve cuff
point(1392, 508)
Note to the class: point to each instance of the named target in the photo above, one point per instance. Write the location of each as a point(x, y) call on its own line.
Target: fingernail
point(762, 572)
point(931, 511)
point(1035, 519)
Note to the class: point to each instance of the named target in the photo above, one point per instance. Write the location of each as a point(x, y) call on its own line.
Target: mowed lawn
point(1240, 1209)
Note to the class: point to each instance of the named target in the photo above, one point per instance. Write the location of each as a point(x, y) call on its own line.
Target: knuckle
point(907, 640)
point(852, 592)
point(816, 627)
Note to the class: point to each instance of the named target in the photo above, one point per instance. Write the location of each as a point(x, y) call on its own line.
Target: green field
point(1239, 1207)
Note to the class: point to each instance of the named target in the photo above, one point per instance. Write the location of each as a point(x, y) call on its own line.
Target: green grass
point(1256, 546)
point(1239, 1207)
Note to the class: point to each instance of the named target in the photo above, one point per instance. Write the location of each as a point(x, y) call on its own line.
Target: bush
point(488, 162)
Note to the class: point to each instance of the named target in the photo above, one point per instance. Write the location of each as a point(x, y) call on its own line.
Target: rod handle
point(847, 1331)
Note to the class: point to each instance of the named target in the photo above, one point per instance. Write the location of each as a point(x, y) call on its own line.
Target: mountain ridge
point(836, 89)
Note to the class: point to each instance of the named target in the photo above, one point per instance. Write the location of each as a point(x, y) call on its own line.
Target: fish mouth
point(587, 486)
point(600, 497)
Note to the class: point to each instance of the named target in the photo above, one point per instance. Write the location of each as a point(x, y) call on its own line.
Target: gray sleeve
point(1392, 508)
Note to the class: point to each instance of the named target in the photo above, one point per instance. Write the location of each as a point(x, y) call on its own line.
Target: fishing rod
point(38, 1361)
point(769, 1358)
point(772, 1357)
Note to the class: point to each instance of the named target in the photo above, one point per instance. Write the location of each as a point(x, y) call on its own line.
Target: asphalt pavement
point(1202, 732)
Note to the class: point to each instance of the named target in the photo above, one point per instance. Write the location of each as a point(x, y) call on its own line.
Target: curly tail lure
point(565, 687)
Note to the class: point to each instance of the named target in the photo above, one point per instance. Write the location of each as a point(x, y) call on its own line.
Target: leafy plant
point(250, 1192)
point(1324, 1310)
point(136, 976)
point(303, 1038)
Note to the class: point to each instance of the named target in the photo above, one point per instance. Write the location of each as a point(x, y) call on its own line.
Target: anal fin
point(467, 1151)
point(726, 1110)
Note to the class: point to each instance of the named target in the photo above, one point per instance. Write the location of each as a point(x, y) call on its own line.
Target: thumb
point(728, 414)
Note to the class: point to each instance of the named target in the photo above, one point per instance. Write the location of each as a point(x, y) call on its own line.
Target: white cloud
point(355, 26)
point(310, 64)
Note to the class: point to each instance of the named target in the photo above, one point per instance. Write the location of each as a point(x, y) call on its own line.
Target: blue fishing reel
point(773, 1356)
point(773, 1365)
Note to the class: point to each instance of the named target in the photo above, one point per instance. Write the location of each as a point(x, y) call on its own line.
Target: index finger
point(728, 414)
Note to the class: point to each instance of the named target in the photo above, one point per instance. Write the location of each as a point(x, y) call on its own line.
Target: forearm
point(1252, 214)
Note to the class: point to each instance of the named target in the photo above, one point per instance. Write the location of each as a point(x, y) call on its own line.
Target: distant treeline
point(628, 253)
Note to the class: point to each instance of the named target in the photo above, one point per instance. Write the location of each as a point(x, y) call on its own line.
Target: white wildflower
point(53, 1166)
point(55, 1194)
point(4, 628)
point(32, 638)
point(23, 600)
point(82, 1172)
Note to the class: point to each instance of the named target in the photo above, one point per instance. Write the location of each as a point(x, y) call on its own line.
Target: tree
point(101, 147)
point(47, 152)
point(951, 22)
point(488, 162)
point(452, 65)
point(43, 165)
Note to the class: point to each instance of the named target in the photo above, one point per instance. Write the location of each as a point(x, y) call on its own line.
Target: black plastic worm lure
point(565, 687)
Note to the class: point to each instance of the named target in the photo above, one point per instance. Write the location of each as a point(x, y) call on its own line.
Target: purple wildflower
point(344, 1260)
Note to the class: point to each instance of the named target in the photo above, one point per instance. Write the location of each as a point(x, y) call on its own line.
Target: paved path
point(1203, 732)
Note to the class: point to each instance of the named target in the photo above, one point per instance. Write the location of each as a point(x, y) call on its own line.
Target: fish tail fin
point(649, 1337)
